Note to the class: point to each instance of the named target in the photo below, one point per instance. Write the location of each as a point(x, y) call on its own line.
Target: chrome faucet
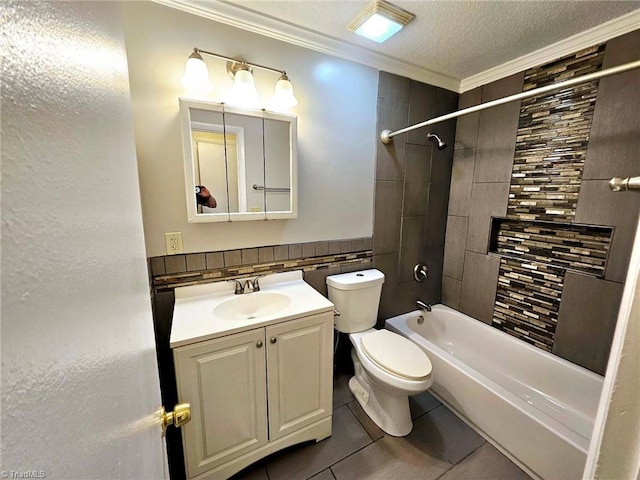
point(252, 285)
point(423, 306)
point(239, 288)
point(249, 286)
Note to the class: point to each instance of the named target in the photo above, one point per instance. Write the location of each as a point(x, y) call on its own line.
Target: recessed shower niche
point(534, 258)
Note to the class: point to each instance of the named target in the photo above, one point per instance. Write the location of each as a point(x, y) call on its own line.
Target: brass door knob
point(181, 415)
point(274, 339)
point(259, 344)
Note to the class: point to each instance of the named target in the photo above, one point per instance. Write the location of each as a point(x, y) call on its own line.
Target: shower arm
point(387, 135)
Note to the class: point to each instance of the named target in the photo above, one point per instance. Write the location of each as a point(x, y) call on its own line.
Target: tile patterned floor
point(440, 446)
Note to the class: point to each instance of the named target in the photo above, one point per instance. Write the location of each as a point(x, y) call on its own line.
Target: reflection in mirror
point(209, 153)
point(239, 164)
point(277, 166)
point(250, 169)
point(204, 197)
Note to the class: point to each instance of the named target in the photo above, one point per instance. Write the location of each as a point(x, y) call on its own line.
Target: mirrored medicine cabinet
point(240, 164)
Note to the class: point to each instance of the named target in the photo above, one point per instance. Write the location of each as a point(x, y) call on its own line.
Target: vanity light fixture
point(380, 20)
point(196, 75)
point(243, 92)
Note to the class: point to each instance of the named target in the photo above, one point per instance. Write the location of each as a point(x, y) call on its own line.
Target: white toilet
point(388, 367)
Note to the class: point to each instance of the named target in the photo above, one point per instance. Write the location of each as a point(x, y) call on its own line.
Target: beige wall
point(336, 131)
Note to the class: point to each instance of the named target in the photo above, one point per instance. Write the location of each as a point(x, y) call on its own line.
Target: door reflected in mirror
point(211, 171)
point(239, 164)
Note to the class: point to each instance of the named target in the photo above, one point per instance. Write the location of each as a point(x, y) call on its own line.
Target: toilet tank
point(356, 296)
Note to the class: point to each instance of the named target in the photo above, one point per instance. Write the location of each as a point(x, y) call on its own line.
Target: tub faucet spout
point(423, 306)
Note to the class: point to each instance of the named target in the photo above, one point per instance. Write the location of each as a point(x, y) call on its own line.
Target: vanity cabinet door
point(299, 372)
point(224, 381)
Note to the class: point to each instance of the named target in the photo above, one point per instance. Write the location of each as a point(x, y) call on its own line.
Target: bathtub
point(535, 407)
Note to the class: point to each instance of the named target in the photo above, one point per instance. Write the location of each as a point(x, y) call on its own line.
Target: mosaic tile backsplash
point(551, 144)
point(180, 270)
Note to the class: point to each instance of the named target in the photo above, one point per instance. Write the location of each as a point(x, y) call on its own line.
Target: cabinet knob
point(274, 339)
point(259, 344)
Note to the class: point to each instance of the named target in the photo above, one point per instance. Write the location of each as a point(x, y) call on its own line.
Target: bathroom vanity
point(256, 369)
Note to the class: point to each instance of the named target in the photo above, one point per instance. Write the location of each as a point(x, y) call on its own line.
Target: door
point(216, 162)
point(224, 381)
point(299, 372)
point(80, 389)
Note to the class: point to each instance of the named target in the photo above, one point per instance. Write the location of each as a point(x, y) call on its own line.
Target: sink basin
point(211, 310)
point(252, 305)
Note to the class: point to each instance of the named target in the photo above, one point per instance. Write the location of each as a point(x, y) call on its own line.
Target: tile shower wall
point(411, 193)
point(571, 312)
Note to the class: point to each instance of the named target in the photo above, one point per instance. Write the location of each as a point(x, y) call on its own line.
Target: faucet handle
point(239, 287)
point(256, 284)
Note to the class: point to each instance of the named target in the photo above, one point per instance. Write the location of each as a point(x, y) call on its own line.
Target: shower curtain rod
point(387, 135)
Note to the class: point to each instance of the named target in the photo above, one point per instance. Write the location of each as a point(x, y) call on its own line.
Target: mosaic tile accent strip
point(581, 248)
point(551, 144)
point(174, 270)
point(528, 301)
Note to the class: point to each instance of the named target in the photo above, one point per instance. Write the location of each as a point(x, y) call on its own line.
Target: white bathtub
point(535, 407)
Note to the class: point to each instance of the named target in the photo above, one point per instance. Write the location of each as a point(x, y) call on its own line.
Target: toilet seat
point(396, 354)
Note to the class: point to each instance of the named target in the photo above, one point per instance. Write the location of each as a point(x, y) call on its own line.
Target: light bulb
point(283, 96)
point(196, 74)
point(244, 91)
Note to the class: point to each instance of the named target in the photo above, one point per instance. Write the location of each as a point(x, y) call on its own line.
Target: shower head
point(440, 144)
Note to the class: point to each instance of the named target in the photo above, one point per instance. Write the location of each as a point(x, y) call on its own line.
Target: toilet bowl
point(388, 367)
point(385, 379)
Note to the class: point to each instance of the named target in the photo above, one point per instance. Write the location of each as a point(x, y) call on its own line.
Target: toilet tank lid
point(356, 280)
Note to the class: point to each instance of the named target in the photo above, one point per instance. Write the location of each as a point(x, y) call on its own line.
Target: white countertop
point(195, 321)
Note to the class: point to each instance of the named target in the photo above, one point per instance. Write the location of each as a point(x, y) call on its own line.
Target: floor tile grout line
point(446, 471)
point(453, 465)
point(373, 440)
point(333, 474)
point(330, 467)
point(369, 444)
point(484, 441)
point(432, 408)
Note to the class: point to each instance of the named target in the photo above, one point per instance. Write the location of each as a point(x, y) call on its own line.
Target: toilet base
point(389, 410)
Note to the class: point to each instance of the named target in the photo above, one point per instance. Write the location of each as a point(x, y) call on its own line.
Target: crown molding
point(238, 17)
point(606, 31)
point(273, 28)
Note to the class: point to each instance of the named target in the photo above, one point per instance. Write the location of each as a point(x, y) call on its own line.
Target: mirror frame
point(193, 216)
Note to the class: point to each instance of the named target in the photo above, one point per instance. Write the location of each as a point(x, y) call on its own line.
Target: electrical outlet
point(173, 242)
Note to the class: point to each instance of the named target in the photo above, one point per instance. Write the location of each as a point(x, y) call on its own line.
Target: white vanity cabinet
point(255, 392)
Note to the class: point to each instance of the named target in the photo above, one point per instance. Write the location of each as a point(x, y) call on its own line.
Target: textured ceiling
point(454, 38)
